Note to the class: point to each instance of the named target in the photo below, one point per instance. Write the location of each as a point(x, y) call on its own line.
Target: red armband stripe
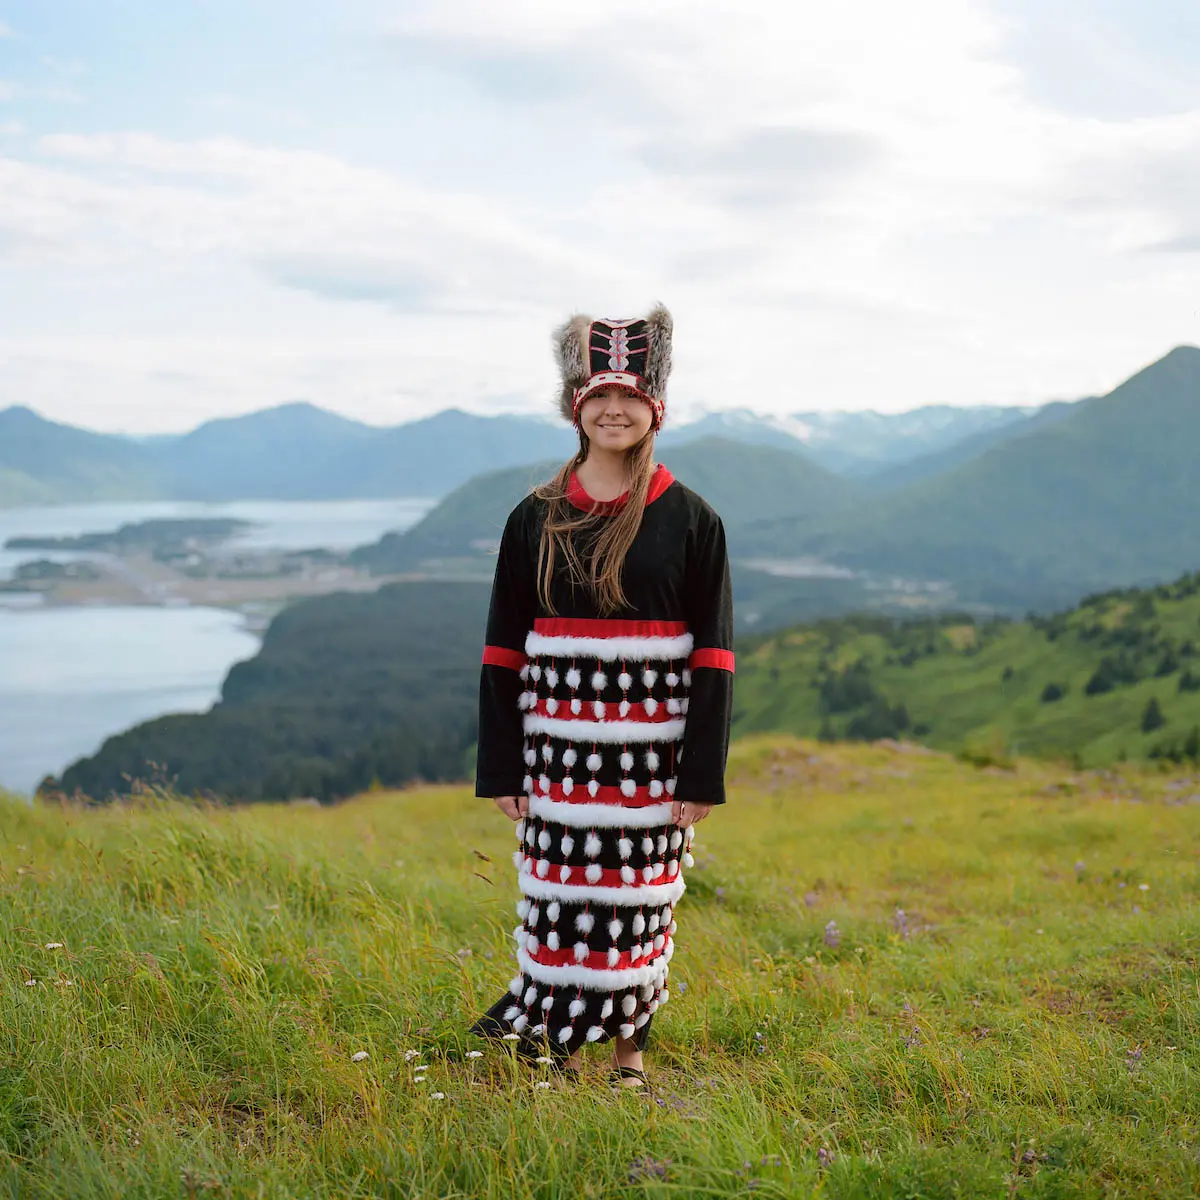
point(722, 660)
point(499, 656)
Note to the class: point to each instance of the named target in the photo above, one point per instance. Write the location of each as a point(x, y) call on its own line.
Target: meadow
point(899, 975)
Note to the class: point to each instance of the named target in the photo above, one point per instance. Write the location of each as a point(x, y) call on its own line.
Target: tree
point(1052, 692)
point(1152, 717)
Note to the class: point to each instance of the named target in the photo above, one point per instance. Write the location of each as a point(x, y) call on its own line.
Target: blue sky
point(210, 207)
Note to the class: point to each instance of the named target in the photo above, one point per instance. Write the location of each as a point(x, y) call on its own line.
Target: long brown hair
point(598, 568)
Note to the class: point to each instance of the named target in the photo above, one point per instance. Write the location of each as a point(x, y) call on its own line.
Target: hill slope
point(1080, 683)
point(1107, 495)
point(746, 484)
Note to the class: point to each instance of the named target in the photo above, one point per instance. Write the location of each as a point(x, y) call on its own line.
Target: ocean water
point(71, 677)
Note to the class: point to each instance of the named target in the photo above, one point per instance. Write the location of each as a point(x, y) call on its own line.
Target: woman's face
point(615, 420)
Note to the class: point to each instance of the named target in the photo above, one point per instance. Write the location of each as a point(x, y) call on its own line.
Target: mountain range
point(1079, 497)
point(301, 452)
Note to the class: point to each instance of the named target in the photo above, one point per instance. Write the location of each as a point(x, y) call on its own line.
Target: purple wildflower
point(833, 935)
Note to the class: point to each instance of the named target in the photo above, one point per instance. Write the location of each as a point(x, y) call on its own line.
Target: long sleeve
point(499, 766)
point(701, 775)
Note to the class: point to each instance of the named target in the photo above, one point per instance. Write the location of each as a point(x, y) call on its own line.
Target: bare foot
point(626, 1054)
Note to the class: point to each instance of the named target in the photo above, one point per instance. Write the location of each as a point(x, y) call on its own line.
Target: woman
point(604, 705)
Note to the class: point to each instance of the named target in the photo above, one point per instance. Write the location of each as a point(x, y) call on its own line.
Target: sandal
point(617, 1074)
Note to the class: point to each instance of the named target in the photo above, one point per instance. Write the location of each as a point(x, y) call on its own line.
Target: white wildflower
point(359, 1055)
point(511, 1037)
point(31, 983)
point(474, 1053)
point(409, 1055)
point(1143, 887)
point(437, 1095)
point(542, 1083)
point(544, 1059)
point(54, 945)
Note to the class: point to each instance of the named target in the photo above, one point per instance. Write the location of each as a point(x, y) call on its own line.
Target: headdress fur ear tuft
point(570, 346)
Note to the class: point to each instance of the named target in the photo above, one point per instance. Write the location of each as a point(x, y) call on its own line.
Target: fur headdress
point(633, 354)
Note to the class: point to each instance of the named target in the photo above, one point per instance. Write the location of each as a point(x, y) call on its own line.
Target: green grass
point(978, 686)
point(1030, 1028)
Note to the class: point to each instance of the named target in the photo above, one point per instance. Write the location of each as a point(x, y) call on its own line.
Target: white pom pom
point(594, 872)
point(524, 672)
point(658, 941)
point(598, 709)
point(575, 1007)
point(628, 787)
point(673, 868)
point(647, 844)
point(626, 761)
point(652, 760)
point(672, 679)
point(614, 956)
point(595, 1033)
point(544, 840)
point(625, 847)
point(642, 1019)
point(676, 839)
point(512, 1012)
point(529, 834)
point(527, 867)
point(627, 875)
point(673, 706)
point(652, 1007)
point(687, 677)
point(647, 991)
point(532, 944)
point(656, 788)
point(552, 940)
point(530, 756)
point(566, 1033)
point(647, 873)
point(568, 785)
point(576, 707)
point(568, 843)
point(515, 986)
point(544, 783)
point(623, 708)
point(674, 926)
point(551, 677)
point(658, 870)
point(552, 911)
point(551, 706)
point(591, 844)
point(535, 672)
point(593, 787)
point(537, 1030)
point(628, 1004)
point(547, 1003)
point(599, 681)
point(548, 752)
point(627, 1030)
point(527, 784)
point(543, 868)
point(660, 844)
point(653, 922)
point(614, 928)
point(530, 994)
point(569, 756)
point(564, 873)
point(664, 996)
point(574, 678)
point(666, 913)
point(624, 681)
point(520, 1023)
point(518, 859)
point(650, 705)
point(585, 922)
point(606, 1010)
point(688, 860)
point(671, 786)
point(593, 762)
point(535, 914)
point(523, 908)
point(581, 951)
point(649, 677)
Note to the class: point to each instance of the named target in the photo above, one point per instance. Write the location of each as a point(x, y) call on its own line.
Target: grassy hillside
point(1077, 684)
point(1101, 497)
point(897, 976)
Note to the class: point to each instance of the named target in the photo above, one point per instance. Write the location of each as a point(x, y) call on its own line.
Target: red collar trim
point(659, 482)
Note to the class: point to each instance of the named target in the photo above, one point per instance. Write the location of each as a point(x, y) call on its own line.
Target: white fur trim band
point(605, 731)
point(599, 980)
point(608, 649)
point(599, 816)
point(649, 893)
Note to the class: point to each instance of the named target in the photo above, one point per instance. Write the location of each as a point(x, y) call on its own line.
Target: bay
point(71, 677)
